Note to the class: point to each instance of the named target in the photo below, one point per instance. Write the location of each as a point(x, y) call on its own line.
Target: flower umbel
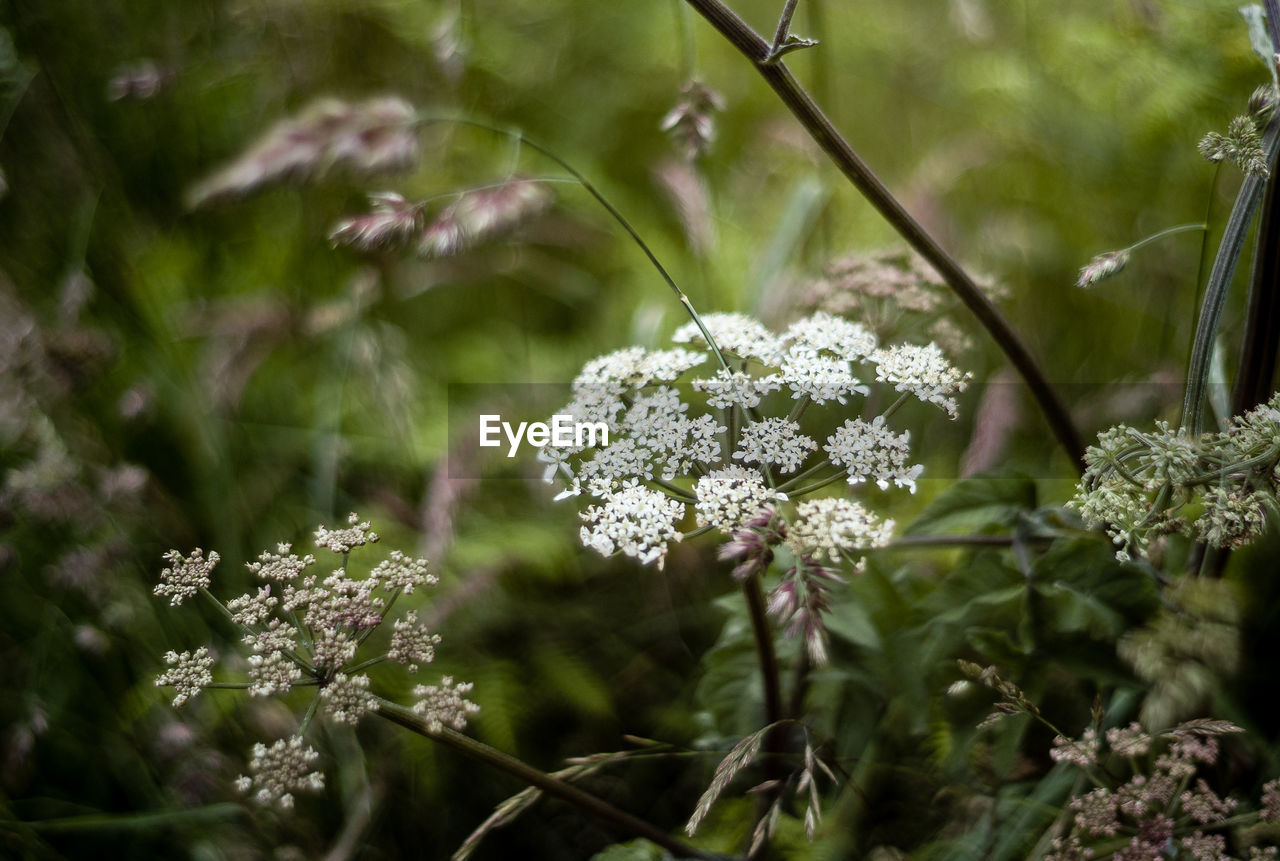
point(732, 446)
point(305, 632)
point(187, 576)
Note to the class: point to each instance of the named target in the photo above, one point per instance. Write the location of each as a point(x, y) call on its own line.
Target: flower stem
point(775, 738)
point(820, 128)
point(609, 207)
point(765, 654)
point(563, 790)
point(1220, 277)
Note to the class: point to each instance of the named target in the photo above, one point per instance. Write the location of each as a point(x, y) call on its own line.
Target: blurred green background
point(225, 378)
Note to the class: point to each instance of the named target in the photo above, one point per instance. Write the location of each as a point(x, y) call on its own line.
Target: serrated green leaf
point(984, 504)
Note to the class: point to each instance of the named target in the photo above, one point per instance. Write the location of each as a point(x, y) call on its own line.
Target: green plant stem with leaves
point(764, 57)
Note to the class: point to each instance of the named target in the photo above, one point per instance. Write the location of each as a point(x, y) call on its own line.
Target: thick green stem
point(494, 758)
point(1262, 319)
point(820, 128)
point(1215, 292)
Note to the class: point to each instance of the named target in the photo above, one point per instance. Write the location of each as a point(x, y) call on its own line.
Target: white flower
point(345, 602)
point(280, 770)
point(621, 461)
point(774, 441)
point(252, 609)
point(332, 648)
point(272, 672)
point(826, 332)
point(727, 497)
point(872, 451)
point(187, 576)
point(821, 378)
point(412, 643)
point(632, 368)
point(445, 704)
point(836, 528)
point(698, 443)
point(347, 698)
point(922, 371)
point(726, 389)
point(403, 573)
point(634, 521)
point(343, 540)
point(189, 673)
point(737, 334)
point(281, 566)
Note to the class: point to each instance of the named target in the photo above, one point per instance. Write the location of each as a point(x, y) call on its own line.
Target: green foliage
point(225, 378)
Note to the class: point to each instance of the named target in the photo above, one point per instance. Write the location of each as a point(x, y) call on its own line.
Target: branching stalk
point(820, 128)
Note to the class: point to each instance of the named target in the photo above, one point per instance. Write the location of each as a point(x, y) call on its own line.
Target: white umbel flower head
point(281, 566)
point(777, 442)
point(444, 704)
point(252, 608)
point(186, 576)
point(821, 378)
point(347, 698)
point(922, 371)
point(402, 572)
point(736, 334)
point(341, 541)
point(823, 332)
point(871, 451)
point(412, 643)
point(727, 497)
point(280, 770)
point(634, 521)
point(188, 674)
point(836, 529)
point(727, 389)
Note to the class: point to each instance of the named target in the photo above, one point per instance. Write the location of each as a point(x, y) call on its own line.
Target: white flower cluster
point(187, 577)
point(305, 630)
point(721, 447)
point(188, 674)
point(836, 529)
point(280, 770)
point(347, 698)
point(635, 521)
point(1139, 483)
point(444, 704)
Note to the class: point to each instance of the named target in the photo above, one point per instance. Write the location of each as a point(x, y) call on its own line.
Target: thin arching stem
point(553, 786)
point(758, 50)
point(608, 206)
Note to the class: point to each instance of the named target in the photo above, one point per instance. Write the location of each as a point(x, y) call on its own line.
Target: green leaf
point(982, 504)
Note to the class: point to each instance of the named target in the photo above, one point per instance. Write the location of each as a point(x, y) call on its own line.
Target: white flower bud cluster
point(188, 674)
point(187, 576)
point(280, 770)
point(444, 704)
point(304, 632)
point(1138, 483)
